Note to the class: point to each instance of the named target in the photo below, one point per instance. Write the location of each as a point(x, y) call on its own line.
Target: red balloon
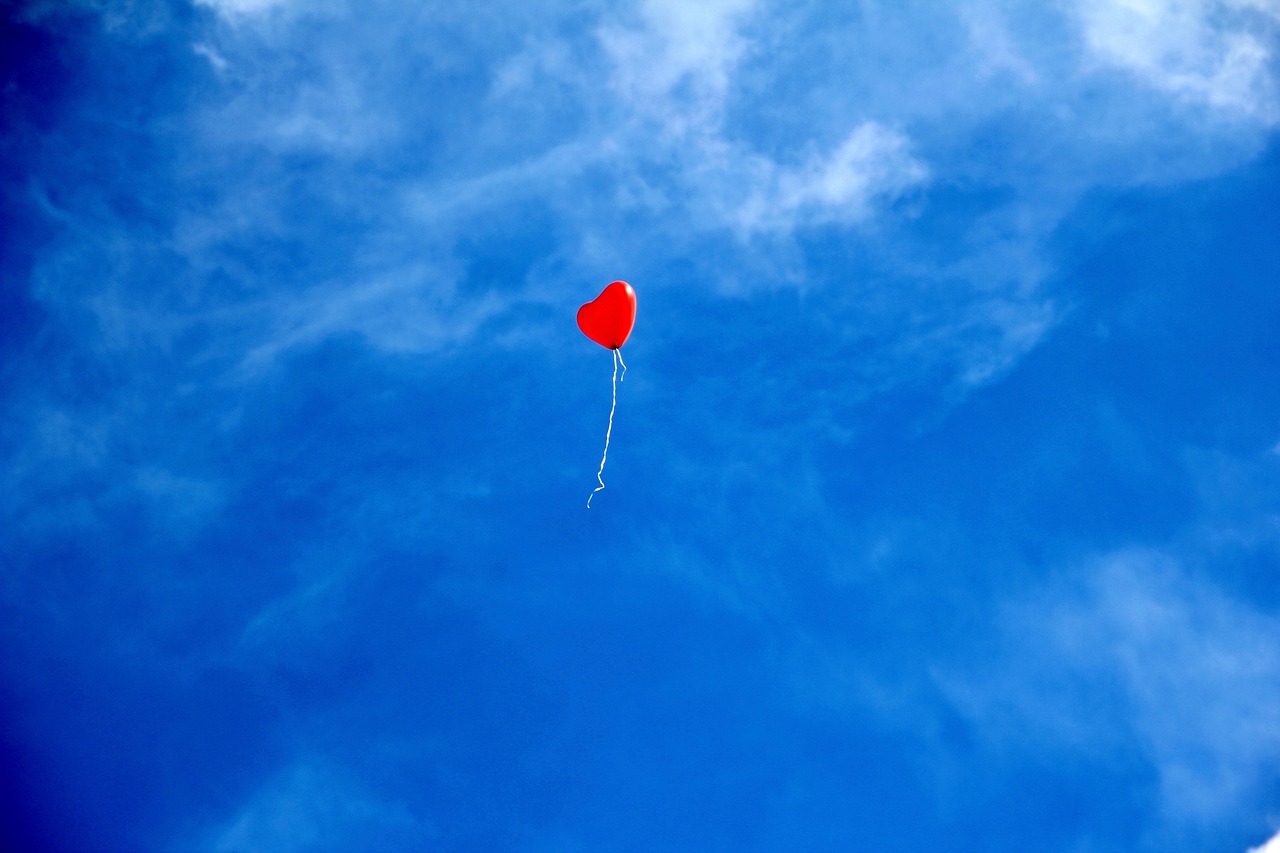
point(608, 318)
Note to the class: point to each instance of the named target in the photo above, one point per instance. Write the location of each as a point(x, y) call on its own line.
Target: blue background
point(943, 504)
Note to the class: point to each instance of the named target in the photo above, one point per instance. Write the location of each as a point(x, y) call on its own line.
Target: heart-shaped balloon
point(608, 318)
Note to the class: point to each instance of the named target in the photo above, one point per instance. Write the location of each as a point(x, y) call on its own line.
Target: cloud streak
point(1171, 666)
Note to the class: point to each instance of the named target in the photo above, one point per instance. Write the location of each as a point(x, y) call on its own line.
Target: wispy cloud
point(872, 165)
point(651, 144)
point(1217, 53)
point(1165, 663)
point(676, 63)
point(406, 311)
point(311, 805)
point(240, 9)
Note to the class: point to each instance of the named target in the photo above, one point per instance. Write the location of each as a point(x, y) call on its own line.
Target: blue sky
point(943, 506)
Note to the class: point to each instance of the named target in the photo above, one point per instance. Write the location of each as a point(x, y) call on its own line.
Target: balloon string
point(618, 353)
point(608, 432)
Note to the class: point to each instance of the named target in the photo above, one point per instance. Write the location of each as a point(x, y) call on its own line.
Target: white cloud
point(676, 65)
point(324, 101)
point(1271, 846)
point(1218, 53)
point(873, 164)
point(673, 74)
point(1003, 331)
point(406, 310)
point(670, 144)
point(239, 9)
point(330, 116)
point(1138, 654)
point(215, 59)
point(995, 44)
